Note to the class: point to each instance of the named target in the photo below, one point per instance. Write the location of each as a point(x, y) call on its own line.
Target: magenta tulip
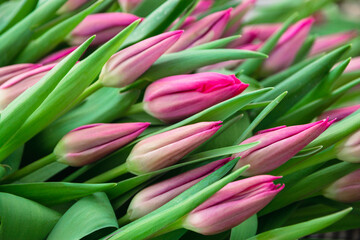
point(277, 146)
point(349, 149)
point(153, 197)
point(130, 63)
point(177, 97)
point(237, 15)
point(207, 29)
point(104, 25)
point(339, 113)
point(329, 42)
point(165, 149)
point(346, 189)
point(15, 86)
point(202, 7)
point(89, 143)
point(8, 72)
point(232, 205)
point(354, 65)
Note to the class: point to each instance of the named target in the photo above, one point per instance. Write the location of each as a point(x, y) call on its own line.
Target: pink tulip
point(206, 30)
point(153, 197)
point(57, 56)
point(277, 146)
point(354, 65)
point(349, 149)
point(130, 63)
point(202, 7)
point(232, 205)
point(346, 189)
point(15, 86)
point(339, 113)
point(329, 42)
point(90, 143)
point(104, 25)
point(8, 72)
point(237, 15)
point(165, 149)
point(129, 5)
point(288, 46)
point(177, 97)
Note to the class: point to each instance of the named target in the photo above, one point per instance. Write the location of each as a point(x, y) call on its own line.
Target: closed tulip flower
point(202, 7)
point(339, 113)
point(349, 149)
point(104, 25)
point(15, 86)
point(72, 5)
point(165, 149)
point(153, 197)
point(346, 189)
point(353, 66)
point(8, 72)
point(236, 16)
point(177, 97)
point(130, 63)
point(232, 205)
point(329, 42)
point(90, 143)
point(205, 30)
point(278, 145)
point(129, 5)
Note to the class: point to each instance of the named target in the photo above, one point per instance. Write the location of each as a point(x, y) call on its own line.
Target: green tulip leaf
point(245, 230)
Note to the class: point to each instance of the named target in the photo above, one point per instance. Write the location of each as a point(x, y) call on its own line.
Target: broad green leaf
point(16, 38)
point(12, 12)
point(12, 162)
point(88, 216)
point(16, 113)
point(245, 230)
point(302, 229)
point(69, 88)
point(220, 43)
point(250, 66)
point(168, 64)
point(260, 117)
point(42, 45)
point(44, 173)
point(158, 20)
point(50, 193)
point(24, 219)
point(299, 84)
point(311, 185)
point(105, 105)
point(179, 206)
point(174, 235)
point(145, 7)
point(275, 79)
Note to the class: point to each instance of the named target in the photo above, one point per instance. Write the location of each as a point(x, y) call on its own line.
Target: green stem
point(109, 175)
point(87, 92)
point(32, 167)
point(124, 220)
point(323, 156)
point(136, 108)
point(169, 228)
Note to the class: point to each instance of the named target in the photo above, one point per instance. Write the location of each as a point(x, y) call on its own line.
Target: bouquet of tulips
point(179, 119)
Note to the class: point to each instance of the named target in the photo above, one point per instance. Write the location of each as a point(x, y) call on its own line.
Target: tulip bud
point(15, 86)
point(277, 146)
point(90, 143)
point(288, 46)
point(104, 25)
point(177, 97)
point(232, 205)
point(153, 197)
point(339, 113)
point(349, 149)
point(353, 66)
point(57, 56)
point(165, 149)
point(329, 42)
point(72, 5)
point(8, 72)
point(207, 29)
point(237, 14)
point(346, 189)
point(202, 7)
point(129, 5)
point(127, 65)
